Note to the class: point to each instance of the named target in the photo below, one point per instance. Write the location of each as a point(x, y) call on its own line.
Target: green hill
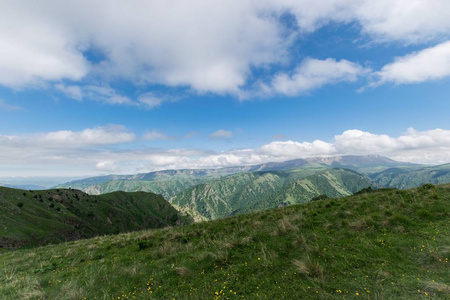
point(247, 192)
point(166, 187)
point(387, 244)
point(41, 217)
point(406, 178)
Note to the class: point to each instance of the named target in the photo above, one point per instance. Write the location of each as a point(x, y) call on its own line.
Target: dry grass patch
point(284, 226)
point(167, 248)
point(438, 287)
point(300, 241)
point(308, 268)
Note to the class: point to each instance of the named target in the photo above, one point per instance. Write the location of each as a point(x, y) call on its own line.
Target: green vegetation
point(166, 182)
point(248, 192)
point(41, 217)
point(171, 182)
point(382, 244)
point(167, 187)
point(406, 178)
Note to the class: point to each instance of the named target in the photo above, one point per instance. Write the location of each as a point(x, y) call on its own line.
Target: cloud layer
point(195, 44)
point(104, 150)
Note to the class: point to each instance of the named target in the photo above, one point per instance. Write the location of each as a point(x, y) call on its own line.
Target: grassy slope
point(389, 244)
point(58, 215)
point(249, 192)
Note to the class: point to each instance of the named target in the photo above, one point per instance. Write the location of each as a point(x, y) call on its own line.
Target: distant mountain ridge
point(407, 178)
point(171, 182)
point(252, 191)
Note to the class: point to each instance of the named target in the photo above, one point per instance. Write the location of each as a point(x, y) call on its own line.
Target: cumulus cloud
point(291, 149)
point(190, 44)
point(411, 21)
point(221, 134)
point(429, 64)
point(101, 150)
point(432, 146)
point(314, 73)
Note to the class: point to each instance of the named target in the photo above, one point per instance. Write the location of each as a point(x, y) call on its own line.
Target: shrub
point(20, 204)
point(320, 197)
point(427, 186)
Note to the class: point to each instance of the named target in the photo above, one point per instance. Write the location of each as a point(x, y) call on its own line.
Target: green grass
point(41, 217)
point(385, 244)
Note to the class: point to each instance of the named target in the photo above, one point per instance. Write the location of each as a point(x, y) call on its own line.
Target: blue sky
point(93, 88)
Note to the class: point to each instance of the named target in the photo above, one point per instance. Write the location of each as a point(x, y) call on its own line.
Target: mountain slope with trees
point(248, 192)
point(49, 216)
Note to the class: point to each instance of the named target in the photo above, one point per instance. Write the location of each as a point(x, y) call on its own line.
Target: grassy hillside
point(41, 217)
point(388, 244)
point(249, 192)
point(401, 178)
point(166, 188)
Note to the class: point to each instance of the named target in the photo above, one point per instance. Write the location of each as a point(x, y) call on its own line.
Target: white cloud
point(221, 134)
point(429, 64)
point(291, 149)
point(68, 139)
point(107, 166)
point(314, 73)
point(432, 146)
point(157, 135)
point(112, 134)
point(103, 94)
point(100, 150)
point(206, 46)
point(71, 91)
point(411, 21)
point(150, 100)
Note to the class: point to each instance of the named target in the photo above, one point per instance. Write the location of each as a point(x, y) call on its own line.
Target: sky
point(99, 87)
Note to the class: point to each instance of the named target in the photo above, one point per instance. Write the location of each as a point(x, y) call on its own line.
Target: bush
point(320, 197)
point(365, 191)
point(20, 204)
point(427, 186)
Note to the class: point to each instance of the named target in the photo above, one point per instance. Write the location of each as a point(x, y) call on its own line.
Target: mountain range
point(215, 193)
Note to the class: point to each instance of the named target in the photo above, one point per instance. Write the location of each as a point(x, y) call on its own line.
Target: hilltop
point(384, 244)
point(41, 217)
